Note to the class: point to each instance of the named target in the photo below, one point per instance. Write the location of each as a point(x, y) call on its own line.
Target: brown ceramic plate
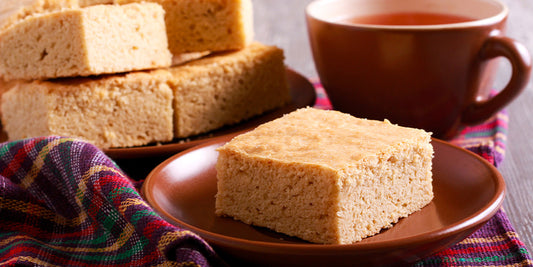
point(302, 92)
point(468, 191)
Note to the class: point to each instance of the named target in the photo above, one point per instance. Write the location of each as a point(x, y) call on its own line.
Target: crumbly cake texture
point(227, 88)
point(115, 111)
point(4, 87)
point(36, 7)
point(325, 176)
point(45, 6)
point(206, 25)
point(87, 41)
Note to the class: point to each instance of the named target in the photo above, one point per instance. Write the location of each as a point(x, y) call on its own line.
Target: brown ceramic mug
point(436, 76)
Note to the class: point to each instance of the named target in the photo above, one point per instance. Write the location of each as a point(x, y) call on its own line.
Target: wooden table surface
point(282, 23)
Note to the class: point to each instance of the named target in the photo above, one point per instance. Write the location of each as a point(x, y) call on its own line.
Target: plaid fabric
point(65, 203)
point(487, 139)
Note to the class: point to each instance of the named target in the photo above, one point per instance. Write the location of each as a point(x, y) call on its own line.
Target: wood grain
point(517, 167)
point(282, 23)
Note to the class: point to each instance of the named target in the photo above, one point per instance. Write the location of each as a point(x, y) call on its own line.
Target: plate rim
point(473, 222)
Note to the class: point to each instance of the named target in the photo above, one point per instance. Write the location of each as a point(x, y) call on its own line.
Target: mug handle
point(520, 60)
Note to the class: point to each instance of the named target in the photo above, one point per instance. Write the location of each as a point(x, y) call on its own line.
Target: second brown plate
point(468, 192)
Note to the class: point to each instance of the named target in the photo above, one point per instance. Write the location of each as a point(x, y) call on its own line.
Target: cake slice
point(325, 176)
point(85, 41)
point(207, 25)
point(227, 88)
point(111, 111)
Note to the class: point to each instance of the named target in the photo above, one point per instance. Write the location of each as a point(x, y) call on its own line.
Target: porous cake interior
point(85, 41)
point(110, 112)
point(38, 45)
point(207, 25)
point(226, 88)
point(324, 176)
point(136, 41)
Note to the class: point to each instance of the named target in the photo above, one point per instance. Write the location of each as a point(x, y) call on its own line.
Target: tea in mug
point(408, 18)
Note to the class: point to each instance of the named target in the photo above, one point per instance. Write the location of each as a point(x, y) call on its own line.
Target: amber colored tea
point(408, 18)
